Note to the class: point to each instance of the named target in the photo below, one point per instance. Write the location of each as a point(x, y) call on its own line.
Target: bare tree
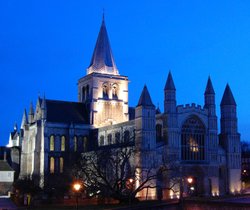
point(111, 172)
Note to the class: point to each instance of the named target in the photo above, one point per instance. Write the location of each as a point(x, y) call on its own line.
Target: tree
point(110, 172)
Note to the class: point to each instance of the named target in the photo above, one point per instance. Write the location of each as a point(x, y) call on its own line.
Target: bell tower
point(103, 90)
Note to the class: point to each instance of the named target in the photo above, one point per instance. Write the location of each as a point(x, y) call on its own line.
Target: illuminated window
point(61, 164)
point(52, 143)
point(63, 143)
point(193, 139)
point(75, 143)
point(85, 143)
point(52, 165)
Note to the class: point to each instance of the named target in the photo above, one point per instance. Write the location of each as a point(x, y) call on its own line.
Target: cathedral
point(53, 131)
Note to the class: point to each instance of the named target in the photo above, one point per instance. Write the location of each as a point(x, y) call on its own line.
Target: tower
point(209, 98)
point(230, 140)
point(169, 95)
point(145, 137)
point(103, 90)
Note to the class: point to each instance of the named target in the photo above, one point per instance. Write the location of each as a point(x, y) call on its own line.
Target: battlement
point(191, 107)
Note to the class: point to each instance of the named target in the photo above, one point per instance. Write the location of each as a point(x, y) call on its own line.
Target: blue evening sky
point(46, 46)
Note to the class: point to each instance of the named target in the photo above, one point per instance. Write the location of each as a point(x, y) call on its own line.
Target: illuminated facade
point(58, 130)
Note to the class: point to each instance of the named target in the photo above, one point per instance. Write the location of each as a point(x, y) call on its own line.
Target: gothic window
point(52, 165)
point(85, 143)
point(126, 136)
point(63, 143)
point(158, 132)
point(101, 141)
point(193, 140)
point(105, 91)
point(52, 143)
point(117, 138)
point(114, 91)
point(109, 139)
point(61, 164)
point(75, 143)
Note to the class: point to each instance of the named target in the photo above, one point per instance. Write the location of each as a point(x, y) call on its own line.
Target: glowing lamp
point(190, 180)
point(77, 187)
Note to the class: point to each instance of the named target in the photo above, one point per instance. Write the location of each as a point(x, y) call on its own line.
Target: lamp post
point(77, 186)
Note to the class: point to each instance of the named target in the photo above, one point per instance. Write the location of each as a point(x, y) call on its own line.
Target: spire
point(145, 99)
point(102, 59)
point(228, 98)
point(209, 87)
point(31, 112)
point(170, 83)
point(24, 119)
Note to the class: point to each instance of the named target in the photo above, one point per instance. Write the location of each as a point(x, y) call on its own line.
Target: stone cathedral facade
point(54, 131)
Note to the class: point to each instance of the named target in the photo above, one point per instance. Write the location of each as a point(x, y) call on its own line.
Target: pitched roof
point(228, 98)
point(102, 59)
point(209, 87)
point(145, 99)
point(4, 166)
point(66, 112)
point(169, 83)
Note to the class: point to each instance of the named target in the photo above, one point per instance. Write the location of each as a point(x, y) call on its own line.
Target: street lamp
point(77, 186)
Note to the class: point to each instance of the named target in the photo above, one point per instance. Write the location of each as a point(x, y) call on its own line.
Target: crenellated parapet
point(187, 108)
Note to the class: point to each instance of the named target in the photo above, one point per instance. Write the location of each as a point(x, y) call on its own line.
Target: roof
point(209, 87)
point(228, 98)
point(169, 83)
point(102, 59)
point(4, 166)
point(145, 99)
point(66, 112)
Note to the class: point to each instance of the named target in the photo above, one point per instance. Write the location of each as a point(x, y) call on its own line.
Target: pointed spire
point(209, 87)
point(24, 119)
point(228, 98)
point(31, 112)
point(102, 59)
point(15, 127)
point(43, 104)
point(145, 99)
point(170, 82)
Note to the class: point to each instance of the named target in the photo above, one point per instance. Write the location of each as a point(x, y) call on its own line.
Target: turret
point(24, 119)
point(145, 122)
point(44, 108)
point(228, 113)
point(31, 114)
point(209, 97)
point(170, 95)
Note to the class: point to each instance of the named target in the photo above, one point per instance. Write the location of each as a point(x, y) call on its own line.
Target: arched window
point(63, 143)
point(52, 165)
point(52, 143)
point(85, 143)
point(105, 90)
point(158, 132)
point(193, 139)
point(114, 91)
point(61, 164)
point(75, 143)
point(126, 136)
point(117, 137)
point(109, 139)
point(101, 141)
